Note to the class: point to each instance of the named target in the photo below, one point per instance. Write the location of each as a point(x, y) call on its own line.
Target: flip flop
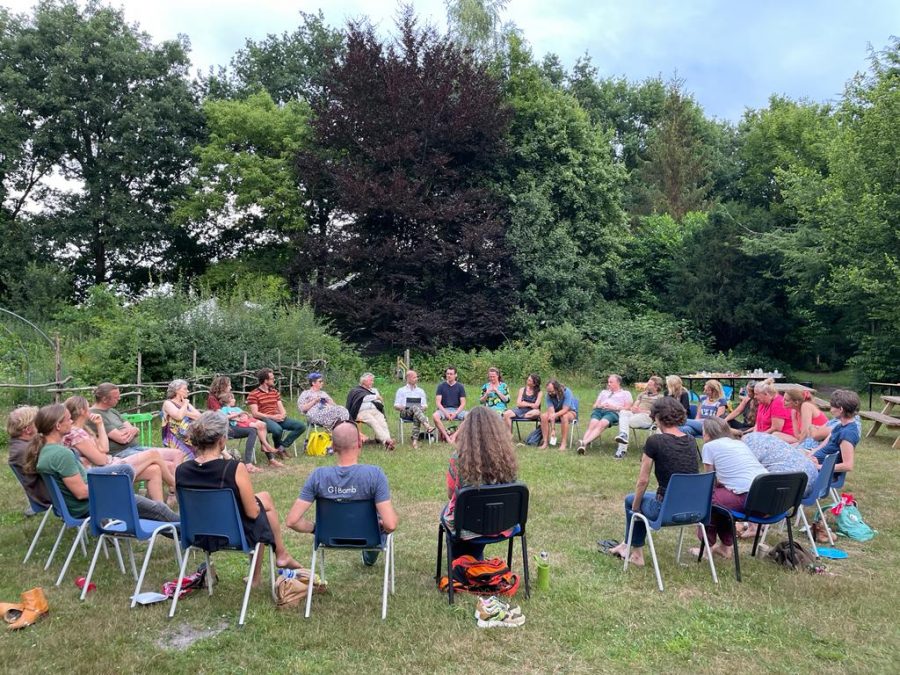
point(831, 553)
point(606, 546)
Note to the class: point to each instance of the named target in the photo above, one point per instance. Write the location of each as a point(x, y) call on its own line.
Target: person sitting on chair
point(669, 452)
point(47, 455)
point(450, 401)
point(319, 408)
point(772, 416)
point(494, 392)
point(347, 479)
point(207, 470)
point(410, 401)
point(365, 404)
point(528, 403)
point(805, 416)
point(251, 429)
point(844, 434)
point(177, 415)
point(609, 403)
point(484, 456)
point(746, 407)
point(638, 415)
point(265, 404)
point(712, 404)
point(20, 429)
point(562, 407)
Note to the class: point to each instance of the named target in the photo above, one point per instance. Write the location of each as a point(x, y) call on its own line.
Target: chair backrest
point(774, 493)
point(347, 523)
point(727, 390)
point(35, 506)
point(210, 515)
point(693, 396)
point(837, 481)
point(688, 499)
point(491, 509)
point(111, 497)
point(823, 480)
point(58, 501)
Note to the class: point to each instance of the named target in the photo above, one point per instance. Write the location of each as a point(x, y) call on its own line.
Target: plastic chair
point(773, 497)
point(212, 517)
point(819, 491)
point(688, 501)
point(487, 508)
point(837, 483)
point(407, 420)
point(144, 423)
point(353, 524)
point(525, 420)
point(113, 514)
point(69, 521)
point(36, 508)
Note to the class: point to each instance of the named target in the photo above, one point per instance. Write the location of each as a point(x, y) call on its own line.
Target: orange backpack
point(482, 577)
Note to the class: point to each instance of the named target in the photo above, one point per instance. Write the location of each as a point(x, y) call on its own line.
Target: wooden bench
point(821, 403)
point(884, 417)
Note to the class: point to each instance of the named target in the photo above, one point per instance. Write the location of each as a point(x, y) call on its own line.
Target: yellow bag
point(318, 443)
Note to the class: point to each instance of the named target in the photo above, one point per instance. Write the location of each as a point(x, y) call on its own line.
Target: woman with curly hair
point(484, 456)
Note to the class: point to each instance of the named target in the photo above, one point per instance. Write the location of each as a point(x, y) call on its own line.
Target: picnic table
point(731, 378)
point(884, 417)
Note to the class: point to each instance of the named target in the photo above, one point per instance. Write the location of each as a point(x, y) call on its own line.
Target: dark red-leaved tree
point(407, 135)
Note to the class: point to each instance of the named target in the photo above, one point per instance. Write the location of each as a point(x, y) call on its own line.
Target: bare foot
point(288, 562)
point(276, 464)
point(543, 447)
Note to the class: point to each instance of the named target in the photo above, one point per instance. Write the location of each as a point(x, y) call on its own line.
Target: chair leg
point(440, 552)
point(709, 555)
point(393, 564)
point(387, 570)
point(653, 556)
point(680, 542)
point(253, 559)
point(131, 556)
point(312, 575)
point(759, 531)
point(509, 553)
point(87, 579)
point(272, 574)
point(525, 565)
point(37, 535)
point(735, 548)
point(209, 574)
point(824, 522)
point(449, 572)
point(55, 546)
point(790, 539)
point(82, 532)
point(184, 562)
point(801, 514)
point(628, 542)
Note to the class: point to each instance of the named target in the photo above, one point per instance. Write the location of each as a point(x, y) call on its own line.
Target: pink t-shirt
point(621, 398)
point(775, 410)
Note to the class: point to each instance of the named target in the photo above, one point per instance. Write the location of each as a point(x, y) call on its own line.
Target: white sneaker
point(622, 438)
point(620, 453)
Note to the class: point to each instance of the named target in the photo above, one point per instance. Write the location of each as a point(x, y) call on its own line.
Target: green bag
point(851, 524)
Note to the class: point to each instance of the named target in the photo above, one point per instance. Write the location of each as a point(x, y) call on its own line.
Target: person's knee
point(151, 472)
point(266, 499)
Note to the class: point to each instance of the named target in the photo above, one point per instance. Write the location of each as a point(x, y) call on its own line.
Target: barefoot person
point(208, 471)
point(736, 466)
point(669, 452)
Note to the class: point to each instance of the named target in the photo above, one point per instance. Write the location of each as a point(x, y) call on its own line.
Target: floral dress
point(175, 434)
point(493, 401)
point(323, 414)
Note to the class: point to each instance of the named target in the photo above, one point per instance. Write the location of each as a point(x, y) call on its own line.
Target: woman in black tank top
point(528, 404)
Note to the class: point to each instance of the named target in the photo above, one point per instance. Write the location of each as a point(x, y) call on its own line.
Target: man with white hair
point(366, 405)
point(411, 402)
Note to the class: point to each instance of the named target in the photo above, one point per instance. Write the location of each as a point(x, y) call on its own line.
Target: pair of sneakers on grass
point(492, 612)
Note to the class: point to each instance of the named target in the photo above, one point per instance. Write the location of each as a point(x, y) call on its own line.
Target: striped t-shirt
point(266, 401)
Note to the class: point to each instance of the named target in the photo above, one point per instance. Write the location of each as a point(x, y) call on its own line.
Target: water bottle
point(286, 573)
point(543, 568)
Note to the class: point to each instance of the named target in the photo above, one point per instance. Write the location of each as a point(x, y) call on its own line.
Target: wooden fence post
point(139, 388)
point(58, 367)
point(244, 377)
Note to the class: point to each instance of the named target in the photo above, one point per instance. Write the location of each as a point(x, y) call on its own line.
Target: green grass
point(594, 619)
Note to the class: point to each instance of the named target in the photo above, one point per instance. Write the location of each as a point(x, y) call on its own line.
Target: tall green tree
point(566, 223)
point(115, 115)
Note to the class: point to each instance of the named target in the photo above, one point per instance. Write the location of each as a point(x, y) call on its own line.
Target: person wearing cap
point(319, 408)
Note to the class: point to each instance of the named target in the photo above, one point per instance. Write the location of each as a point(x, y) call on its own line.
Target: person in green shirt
point(47, 455)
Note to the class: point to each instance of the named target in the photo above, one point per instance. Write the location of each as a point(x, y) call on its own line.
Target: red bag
point(481, 577)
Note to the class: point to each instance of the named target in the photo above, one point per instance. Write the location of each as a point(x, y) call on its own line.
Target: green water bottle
point(543, 569)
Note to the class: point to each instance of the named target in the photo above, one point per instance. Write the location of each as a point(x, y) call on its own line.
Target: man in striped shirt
point(265, 404)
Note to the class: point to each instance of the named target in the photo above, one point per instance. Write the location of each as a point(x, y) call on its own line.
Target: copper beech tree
point(407, 134)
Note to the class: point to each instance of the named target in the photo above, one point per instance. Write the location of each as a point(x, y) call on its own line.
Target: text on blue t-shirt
point(357, 482)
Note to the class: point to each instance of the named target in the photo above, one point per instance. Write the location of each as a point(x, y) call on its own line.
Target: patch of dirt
point(183, 636)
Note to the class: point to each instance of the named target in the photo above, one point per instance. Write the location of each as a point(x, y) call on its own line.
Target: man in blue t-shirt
point(347, 479)
point(450, 401)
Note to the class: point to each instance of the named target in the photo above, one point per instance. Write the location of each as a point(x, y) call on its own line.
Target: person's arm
point(462, 404)
point(503, 392)
point(305, 407)
point(520, 400)
point(642, 482)
point(295, 519)
point(807, 410)
point(485, 390)
point(102, 439)
point(89, 450)
point(438, 404)
point(721, 410)
point(847, 452)
point(76, 485)
point(733, 415)
point(282, 413)
point(537, 401)
point(175, 411)
point(776, 424)
point(399, 400)
point(245, 490)
point(387, 515)
point(254, 410)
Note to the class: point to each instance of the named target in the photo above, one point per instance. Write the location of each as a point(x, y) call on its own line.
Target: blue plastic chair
point(69, 521)
point(214, 515)
point(487, 509)
point(836, 484)
point(819, 491)
point(773, 497)
point(36, 508)
point(113, 514)
point(688, 501)
point(728, 391)
point(351, 524)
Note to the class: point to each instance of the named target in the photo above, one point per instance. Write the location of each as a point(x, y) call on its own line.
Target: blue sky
point(732, 54)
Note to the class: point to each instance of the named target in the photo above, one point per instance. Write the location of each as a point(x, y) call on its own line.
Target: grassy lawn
point(594, 619)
